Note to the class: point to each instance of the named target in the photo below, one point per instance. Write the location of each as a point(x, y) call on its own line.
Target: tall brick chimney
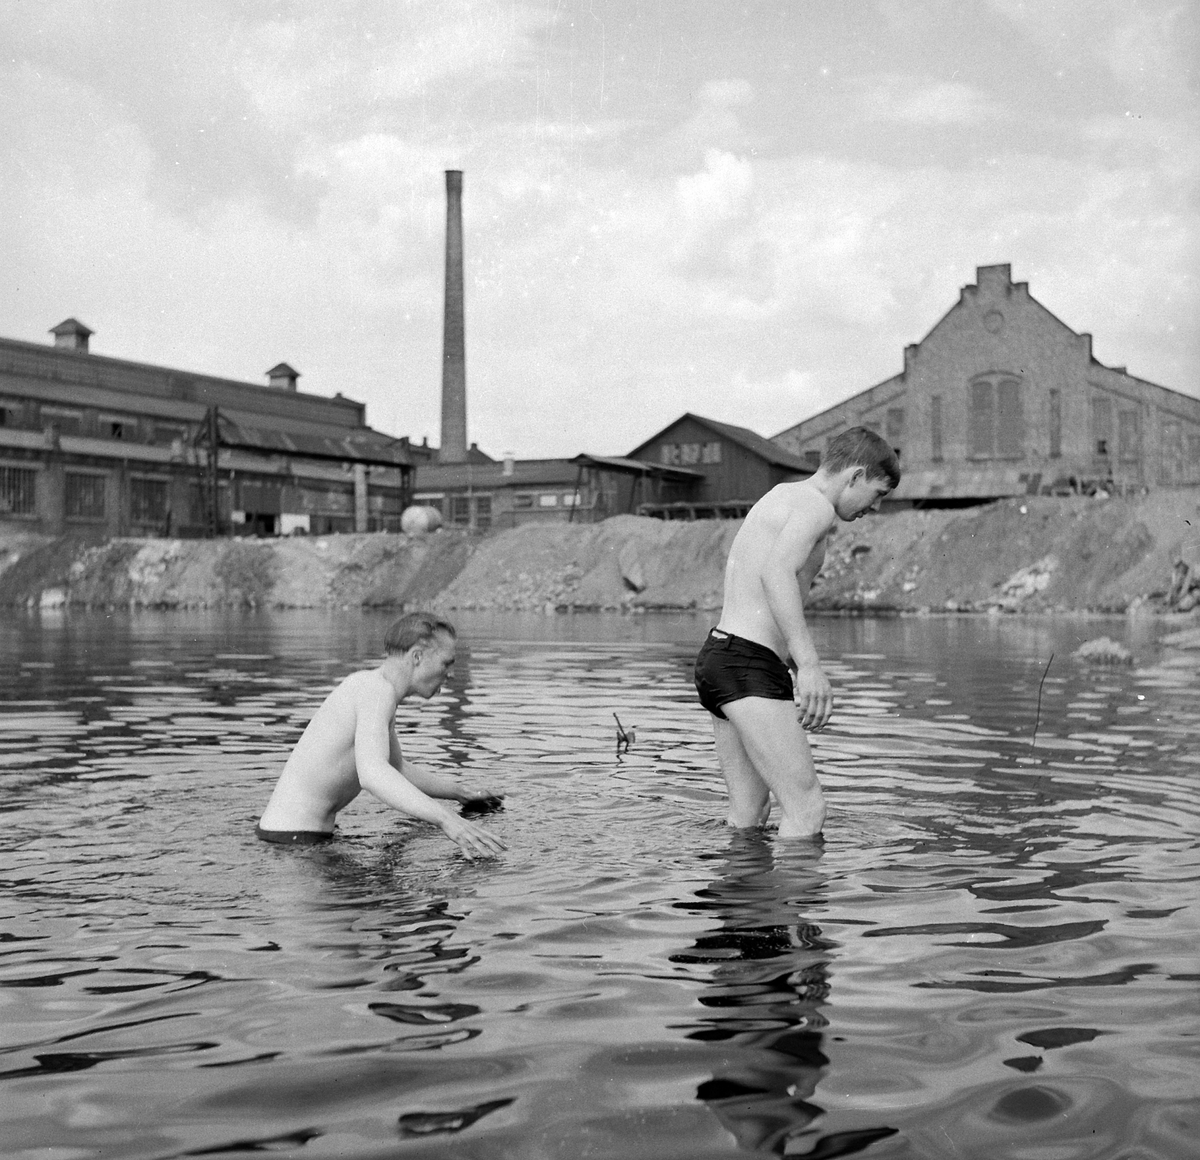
point(454, 356)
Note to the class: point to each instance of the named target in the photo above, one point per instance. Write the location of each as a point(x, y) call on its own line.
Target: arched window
point(997, 417)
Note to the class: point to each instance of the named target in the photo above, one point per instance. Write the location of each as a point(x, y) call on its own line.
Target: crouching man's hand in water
point(477, 798)
point(470, 837)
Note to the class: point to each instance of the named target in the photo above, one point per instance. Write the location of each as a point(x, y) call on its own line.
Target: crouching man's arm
point(377, 776)
point(440, 785)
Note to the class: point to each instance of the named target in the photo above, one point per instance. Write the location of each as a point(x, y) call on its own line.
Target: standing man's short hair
point(415, 628)
point(861, 447)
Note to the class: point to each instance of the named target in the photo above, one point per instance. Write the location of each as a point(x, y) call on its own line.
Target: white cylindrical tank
point(420, 518)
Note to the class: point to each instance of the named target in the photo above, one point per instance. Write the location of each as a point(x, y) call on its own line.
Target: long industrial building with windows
point(100, 446)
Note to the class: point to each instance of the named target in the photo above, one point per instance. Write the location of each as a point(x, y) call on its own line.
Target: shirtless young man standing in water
point(351, 745)
point(760, 657)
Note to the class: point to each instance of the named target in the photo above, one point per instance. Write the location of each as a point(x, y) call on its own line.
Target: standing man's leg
point(749, 798)
point(778, 750)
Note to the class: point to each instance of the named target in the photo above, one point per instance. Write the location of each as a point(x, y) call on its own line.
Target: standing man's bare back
point(351, 745)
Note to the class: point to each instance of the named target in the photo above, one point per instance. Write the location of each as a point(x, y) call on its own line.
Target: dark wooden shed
point(737, 466)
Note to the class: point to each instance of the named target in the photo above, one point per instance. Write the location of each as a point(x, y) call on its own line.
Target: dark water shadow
point(770, 978)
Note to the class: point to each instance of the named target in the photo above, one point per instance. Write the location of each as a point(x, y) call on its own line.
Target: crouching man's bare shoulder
point(351, 745)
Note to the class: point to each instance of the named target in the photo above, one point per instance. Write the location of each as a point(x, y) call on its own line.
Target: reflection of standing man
point(769, 980)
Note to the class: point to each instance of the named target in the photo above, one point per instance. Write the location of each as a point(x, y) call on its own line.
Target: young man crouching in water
point(760, 657)
point(351, 745)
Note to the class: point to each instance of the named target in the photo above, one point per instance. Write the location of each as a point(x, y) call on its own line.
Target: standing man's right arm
point(793, 548)
point(372, 739)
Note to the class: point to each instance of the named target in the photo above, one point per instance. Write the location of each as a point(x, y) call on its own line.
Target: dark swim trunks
point(730, 667)
point(293, 837)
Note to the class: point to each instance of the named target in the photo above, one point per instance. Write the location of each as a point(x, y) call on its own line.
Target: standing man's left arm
point(793, 552)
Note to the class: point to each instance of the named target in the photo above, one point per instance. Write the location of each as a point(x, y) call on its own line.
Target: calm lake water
point(992, 955)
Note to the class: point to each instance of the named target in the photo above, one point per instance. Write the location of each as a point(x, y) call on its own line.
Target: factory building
point(100, 446)
point(731, 468)
point(482, 494)
point(1001, 398)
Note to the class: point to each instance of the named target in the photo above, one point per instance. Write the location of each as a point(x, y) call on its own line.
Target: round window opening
point(993, 321)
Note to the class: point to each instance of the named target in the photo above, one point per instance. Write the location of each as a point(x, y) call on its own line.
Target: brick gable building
point(1002, 398)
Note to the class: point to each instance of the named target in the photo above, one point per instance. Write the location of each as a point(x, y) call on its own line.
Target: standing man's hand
point(813, 696)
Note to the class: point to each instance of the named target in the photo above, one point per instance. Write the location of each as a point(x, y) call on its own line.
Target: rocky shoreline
point(1037, 554)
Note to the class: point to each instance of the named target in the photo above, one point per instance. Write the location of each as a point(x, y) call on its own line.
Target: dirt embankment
point(1031, 554)
point(1034, 554)
point(301, 572)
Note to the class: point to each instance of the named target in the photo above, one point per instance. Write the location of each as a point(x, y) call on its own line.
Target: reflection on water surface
point(992, 954)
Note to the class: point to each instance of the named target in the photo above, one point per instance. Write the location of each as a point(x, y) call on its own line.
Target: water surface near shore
point(992, 954)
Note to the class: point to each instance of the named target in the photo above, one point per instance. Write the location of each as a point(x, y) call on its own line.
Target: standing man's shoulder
point(809, 505)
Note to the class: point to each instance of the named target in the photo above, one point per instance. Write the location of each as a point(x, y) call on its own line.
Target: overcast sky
point(745, 210)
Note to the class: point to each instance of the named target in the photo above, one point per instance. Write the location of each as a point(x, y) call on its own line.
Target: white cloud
point(308, 70)
point(718, 193)
point(623, 266)
point(892, 97)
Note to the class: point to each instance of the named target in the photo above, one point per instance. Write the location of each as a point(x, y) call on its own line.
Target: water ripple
point(992, 953)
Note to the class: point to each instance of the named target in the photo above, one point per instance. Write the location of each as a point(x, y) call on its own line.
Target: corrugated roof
point(525, 473)
point(361, 446)
point(757, 443)
point(638, 466)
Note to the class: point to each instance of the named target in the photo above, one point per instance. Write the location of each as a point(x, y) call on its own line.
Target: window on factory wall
point(522, 500)
point(1055, 424)
point(460, 510)
point(18, 491)
point(688, 454)
point(483, 512)
point(168, 432)
point(1192, 464)
point(118, 427)
point(1129, 436)
point(935, 427)
point(1171, 441)
point(84, 496)
point(147, 500)
point(895, 428)
point(1102, 423)
point(547, 500)
point(997, 418)
point(983, 420)
point(1010, 422)
point(64, 420)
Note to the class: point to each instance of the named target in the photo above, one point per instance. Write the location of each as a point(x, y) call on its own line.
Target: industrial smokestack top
point(454, 355)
